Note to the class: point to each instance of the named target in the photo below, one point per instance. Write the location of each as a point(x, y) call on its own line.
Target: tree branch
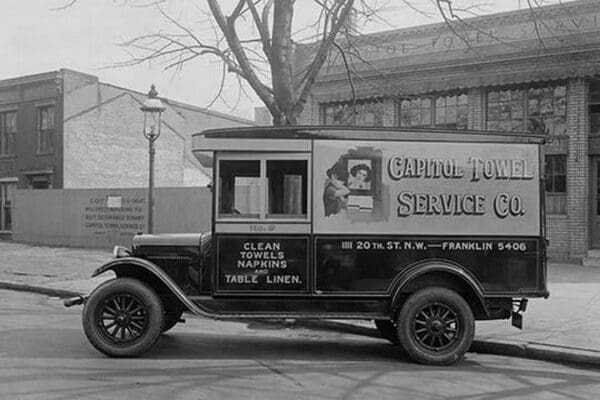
point(262, 26)
point(321, 55)
point(227, 26)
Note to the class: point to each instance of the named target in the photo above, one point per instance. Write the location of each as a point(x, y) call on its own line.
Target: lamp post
point(152, 109)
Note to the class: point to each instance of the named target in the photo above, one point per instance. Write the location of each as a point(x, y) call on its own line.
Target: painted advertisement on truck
point(264, 263)
point(428, 188)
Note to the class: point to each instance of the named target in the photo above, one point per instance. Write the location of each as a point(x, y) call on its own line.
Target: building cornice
point(30, 79)
point(570, 9)
point(555, 29)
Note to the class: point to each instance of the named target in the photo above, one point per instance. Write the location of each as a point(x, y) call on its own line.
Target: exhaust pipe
point(74, 301)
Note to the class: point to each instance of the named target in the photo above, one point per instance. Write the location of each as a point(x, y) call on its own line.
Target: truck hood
point(168, 239)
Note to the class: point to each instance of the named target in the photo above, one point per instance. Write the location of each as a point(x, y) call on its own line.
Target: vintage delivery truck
point(422, 231)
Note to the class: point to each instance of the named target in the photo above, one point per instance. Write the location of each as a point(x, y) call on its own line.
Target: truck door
point(262, 223)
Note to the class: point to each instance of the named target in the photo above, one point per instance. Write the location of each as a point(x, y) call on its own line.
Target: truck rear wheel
point(387, 329)
point(123, 317)
point(436, 326)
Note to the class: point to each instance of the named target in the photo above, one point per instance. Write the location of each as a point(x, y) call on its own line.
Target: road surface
point(45, 355)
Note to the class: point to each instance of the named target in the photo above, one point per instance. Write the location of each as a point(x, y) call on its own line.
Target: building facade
point(67, 130)
point(522, 71)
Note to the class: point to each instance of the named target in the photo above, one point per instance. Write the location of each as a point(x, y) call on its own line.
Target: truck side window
point(287, 182)
point(240, 188)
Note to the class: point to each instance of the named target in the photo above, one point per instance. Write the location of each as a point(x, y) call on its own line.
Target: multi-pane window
point(42, 181)
point(45, 128)
point(415, 112)
point(361, 113)
point(506, 110)
point(268, 187)
point(8, 132)
point(547, 110)
point(594, 108)
point(556, 184)
point(451, 111)
point(441, 111)
point(537, 109)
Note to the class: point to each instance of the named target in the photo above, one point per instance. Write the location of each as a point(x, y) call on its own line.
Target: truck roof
point(310, 132)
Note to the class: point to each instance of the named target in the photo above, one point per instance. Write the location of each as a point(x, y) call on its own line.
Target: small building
point(67, 130)
point(534, 70)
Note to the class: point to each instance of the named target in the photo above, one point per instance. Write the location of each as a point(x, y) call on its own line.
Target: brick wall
point(389, 112)
point(557, 232)
point(105, 148)
point(476, 105)
point(310, 114)
point(577, 167)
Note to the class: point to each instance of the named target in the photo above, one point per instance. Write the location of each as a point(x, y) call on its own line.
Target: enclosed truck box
point(423, 231)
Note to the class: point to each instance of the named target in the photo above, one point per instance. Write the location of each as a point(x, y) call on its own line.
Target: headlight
point(120, 251)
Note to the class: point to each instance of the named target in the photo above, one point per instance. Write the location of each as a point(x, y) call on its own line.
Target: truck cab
point(422, 231)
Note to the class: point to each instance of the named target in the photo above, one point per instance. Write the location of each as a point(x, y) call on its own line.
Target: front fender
point(126, 267)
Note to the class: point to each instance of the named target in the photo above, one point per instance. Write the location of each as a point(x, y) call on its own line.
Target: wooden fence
point(101, 218)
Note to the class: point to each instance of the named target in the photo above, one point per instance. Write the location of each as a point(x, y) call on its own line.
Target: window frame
point(410, 100)
point(4, 190)
point(361, 105)
point(3, 134)
point(525, 99)
point(263, 215)
point(433, 99)
point(39, 109)
point(553, 174)
point(456, 106)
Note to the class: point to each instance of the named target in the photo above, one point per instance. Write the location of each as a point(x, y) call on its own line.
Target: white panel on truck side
point(426, 188)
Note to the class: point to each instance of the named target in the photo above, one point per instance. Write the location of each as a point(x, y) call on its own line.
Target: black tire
point(132, 308)
point(388, 330)
point(173, 311)
point(435, 326)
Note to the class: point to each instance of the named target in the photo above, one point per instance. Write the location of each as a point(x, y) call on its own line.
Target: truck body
point(423, 231)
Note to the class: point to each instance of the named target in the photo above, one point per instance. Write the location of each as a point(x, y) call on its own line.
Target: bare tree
point(256, 39)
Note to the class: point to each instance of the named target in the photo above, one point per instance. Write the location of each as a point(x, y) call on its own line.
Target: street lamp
point(152, 109)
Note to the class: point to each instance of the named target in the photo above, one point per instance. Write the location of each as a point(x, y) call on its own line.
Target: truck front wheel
point(123, 317)
point(435, 326)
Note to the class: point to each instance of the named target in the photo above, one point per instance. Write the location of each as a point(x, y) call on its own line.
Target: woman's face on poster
point(361, 175)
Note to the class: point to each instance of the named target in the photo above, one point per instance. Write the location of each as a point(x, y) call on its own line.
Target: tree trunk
point(281, 61)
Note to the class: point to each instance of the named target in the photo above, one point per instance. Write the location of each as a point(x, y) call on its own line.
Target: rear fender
point(438, 267)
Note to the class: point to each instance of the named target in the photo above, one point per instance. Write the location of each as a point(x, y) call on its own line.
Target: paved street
point(44, 355)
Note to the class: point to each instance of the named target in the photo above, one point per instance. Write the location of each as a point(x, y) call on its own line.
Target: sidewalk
point(563, 328)
point(57, 271)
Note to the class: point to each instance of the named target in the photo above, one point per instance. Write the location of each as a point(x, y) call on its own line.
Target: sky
point(35, 37)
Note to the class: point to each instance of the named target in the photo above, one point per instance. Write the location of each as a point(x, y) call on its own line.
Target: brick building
point(66, 129)
point(527, 70)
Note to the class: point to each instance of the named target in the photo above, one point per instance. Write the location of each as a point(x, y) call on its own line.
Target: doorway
point(595, 203)
point(7, 190)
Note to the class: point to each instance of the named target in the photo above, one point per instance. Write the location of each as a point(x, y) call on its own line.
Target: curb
point(528, 350)
point(537, 351)
point(24, 287)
